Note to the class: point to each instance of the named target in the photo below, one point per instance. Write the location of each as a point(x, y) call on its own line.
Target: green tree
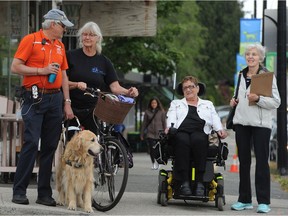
point(218, 57)
point(200, 38)
point(189, 41)
point(175, 47)
point(150, 55)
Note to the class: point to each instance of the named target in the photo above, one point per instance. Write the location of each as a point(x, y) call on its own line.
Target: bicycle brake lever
point(87, 93)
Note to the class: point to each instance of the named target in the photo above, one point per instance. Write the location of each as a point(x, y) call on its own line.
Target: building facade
point(115, 18)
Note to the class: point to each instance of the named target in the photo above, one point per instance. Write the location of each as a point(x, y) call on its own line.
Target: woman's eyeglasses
point(88, 35)
point(190, 87)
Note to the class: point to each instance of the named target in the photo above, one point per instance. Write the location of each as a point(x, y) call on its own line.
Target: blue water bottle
point(52, 76)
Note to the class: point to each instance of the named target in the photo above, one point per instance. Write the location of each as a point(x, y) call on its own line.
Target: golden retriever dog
point(74, 174)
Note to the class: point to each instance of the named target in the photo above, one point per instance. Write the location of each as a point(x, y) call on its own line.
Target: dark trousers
point(190, 146)
point(259, 138)
point(151, 142)
point(41, 120)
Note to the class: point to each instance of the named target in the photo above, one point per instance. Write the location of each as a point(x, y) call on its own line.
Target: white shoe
point(156, 165)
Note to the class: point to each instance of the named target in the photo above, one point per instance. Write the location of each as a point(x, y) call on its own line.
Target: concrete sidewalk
point(140, 195)
point(134, 204)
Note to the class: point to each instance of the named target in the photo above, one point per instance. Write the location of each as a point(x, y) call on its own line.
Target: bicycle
point(111, 166)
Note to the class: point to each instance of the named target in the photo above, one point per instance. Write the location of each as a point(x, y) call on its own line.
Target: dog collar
point(76, 165)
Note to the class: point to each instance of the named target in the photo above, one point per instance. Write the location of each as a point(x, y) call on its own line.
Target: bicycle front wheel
point(111, 175)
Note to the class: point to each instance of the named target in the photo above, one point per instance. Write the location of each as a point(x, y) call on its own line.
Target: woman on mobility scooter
point(194, 118)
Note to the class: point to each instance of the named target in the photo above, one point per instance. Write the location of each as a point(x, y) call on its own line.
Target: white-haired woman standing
point(89, 68)
point(253, 123)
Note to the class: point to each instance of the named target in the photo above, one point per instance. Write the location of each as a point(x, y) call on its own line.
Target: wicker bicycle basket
point(111, 111)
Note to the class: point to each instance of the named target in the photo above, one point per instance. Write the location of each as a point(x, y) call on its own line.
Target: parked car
point(223, 112)
point(274, 140)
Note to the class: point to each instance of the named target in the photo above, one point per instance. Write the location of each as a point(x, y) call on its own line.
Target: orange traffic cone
point(234, 166)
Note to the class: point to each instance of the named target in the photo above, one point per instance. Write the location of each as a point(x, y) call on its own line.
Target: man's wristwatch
point(67, 100)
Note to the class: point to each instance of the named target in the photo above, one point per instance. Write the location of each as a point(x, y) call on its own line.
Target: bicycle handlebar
point(91, 91)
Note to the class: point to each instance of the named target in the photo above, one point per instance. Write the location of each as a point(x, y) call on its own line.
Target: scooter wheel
point(164, 200)
point(220, 203)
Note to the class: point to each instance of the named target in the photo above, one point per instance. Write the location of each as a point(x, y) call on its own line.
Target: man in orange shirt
point(39, 55)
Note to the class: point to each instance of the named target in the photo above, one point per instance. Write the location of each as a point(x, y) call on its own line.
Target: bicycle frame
point(111, 165)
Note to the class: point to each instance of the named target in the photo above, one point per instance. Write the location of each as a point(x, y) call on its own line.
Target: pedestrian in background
point(38, 56)
point(154, 121)
point(253, 125)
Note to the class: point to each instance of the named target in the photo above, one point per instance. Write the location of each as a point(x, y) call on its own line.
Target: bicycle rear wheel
point(111, 175)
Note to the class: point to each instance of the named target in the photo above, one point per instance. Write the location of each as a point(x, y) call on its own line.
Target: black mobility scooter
point(213, 182)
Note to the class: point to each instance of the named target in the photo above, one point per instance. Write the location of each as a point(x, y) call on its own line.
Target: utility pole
point(255, 9)
point(263, 15)
point(281, 82)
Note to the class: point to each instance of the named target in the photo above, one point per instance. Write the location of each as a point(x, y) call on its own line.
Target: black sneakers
point(183, 190)
point(20, 199)
point(200, 188)
point(48, 201)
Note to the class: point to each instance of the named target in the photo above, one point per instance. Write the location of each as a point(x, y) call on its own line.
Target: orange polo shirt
point(37, 51)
